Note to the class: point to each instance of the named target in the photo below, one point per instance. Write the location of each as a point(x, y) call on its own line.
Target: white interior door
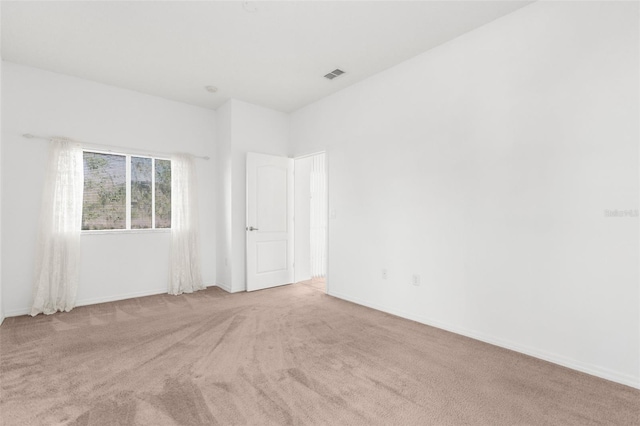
point(269, 221)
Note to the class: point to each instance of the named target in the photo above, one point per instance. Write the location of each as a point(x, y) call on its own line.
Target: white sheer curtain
point(318, 220)
point(58, 251)
point(186, 276)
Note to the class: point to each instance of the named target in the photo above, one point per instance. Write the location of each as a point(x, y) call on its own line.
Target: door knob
point(251, 228)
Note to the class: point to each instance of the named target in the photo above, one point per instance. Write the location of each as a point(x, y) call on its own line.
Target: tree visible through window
point(141, 193)
point(163, 194)
point(105, 192)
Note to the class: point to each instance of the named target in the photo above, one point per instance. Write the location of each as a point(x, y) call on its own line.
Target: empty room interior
point(320, 212)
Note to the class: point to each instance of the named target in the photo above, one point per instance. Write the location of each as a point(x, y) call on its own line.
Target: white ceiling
point(273, 54)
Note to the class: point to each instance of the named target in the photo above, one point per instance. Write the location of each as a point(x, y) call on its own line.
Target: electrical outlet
point(415, 280)
point(384, 274)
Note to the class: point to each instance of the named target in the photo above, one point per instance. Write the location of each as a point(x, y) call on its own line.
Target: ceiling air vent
point(333, 74)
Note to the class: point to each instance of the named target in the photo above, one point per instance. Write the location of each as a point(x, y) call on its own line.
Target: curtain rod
point(32, 136)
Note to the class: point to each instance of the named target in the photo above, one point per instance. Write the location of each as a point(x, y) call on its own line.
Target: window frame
point(127, 162)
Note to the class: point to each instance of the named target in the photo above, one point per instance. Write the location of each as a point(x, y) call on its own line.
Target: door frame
point(327, 237)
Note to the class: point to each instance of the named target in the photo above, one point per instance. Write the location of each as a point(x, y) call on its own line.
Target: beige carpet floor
point(316, 283)
point(288, 355)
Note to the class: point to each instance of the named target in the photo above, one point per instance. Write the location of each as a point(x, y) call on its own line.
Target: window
point(125, 192)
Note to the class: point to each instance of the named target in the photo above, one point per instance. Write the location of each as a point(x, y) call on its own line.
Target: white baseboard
point(546, 356)
point(97, 300)
point(224, 287)
point(229, 289)
point(17, 312)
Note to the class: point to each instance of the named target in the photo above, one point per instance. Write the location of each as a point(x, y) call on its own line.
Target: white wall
point(113, 266)
point(485, 166)
point(1, 302)
point(302, 216)
point(254, 129)
point(242, 128)
point(223, 172)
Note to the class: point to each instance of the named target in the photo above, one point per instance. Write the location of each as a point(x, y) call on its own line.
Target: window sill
point(125, 231)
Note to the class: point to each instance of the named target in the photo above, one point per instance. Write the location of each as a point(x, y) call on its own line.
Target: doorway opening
point(310, 221)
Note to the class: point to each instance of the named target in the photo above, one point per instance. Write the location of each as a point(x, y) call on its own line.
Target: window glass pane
point(141, 203)
point(104, 203)
point(163, 193)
